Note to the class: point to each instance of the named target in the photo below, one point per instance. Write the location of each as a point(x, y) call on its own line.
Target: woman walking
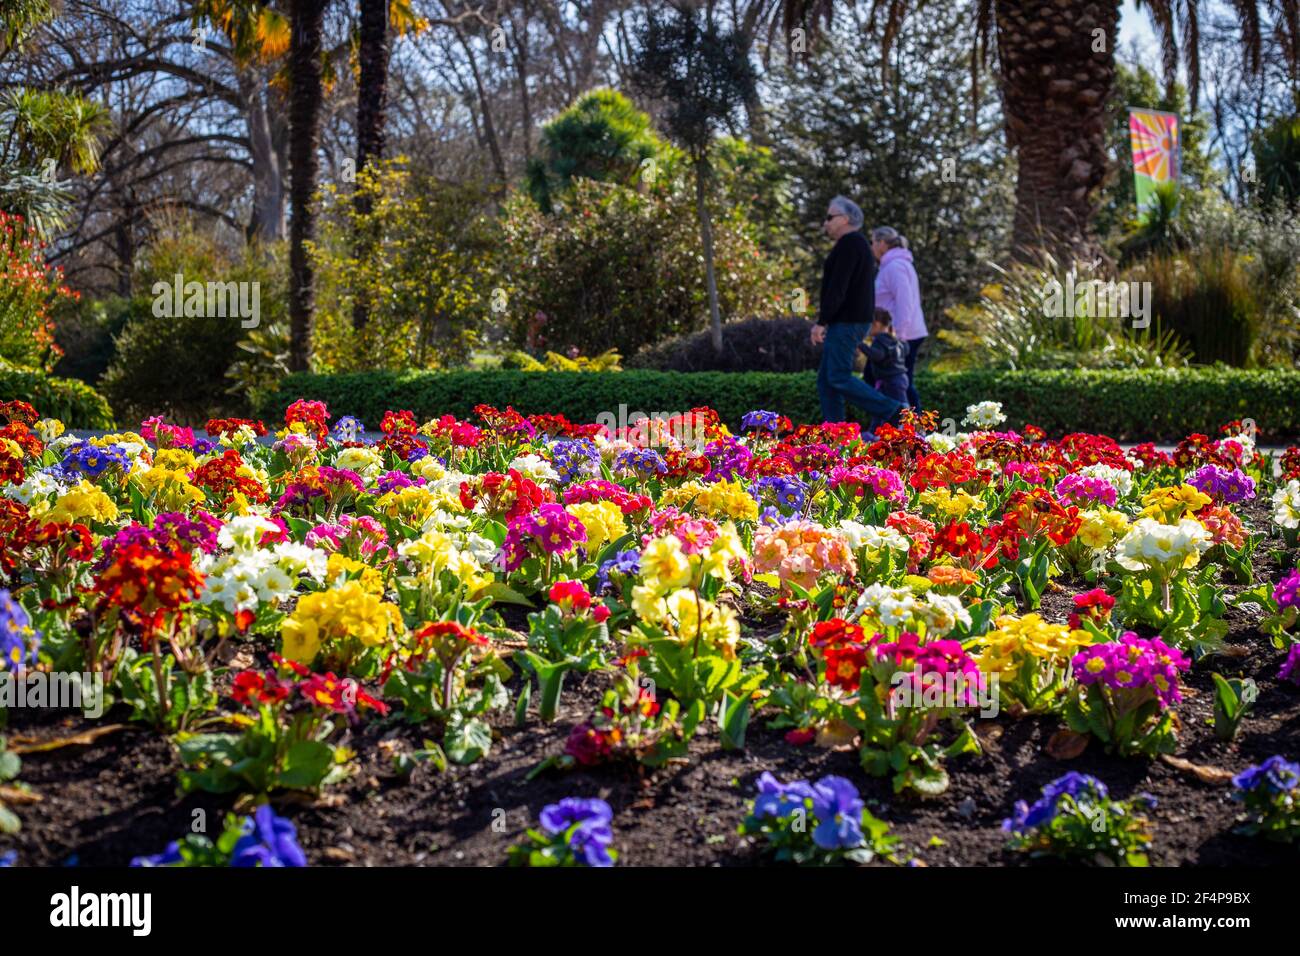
point(898, 292)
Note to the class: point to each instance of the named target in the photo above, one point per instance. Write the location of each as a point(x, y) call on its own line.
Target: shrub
point(1204, 297)
point(601, 136)
point(177, 365)
point(751, 345)
point(74, 403)
point(1132, 405)
point(427, 280)
point(1019, 323)
point(84, 330)
point(619, 268)
point(28, 289)
point(172, 366)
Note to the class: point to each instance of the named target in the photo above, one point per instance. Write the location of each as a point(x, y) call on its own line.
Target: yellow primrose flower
point(648, 603)
point(1101, 527)
point(1170, 504)
point(85, 502)
point(949, 504)
point(174, 459)
point(603, 521)
point(347, 611)
point(663, 565)
point(48, 429)
point(340, 565)
point(170, 489)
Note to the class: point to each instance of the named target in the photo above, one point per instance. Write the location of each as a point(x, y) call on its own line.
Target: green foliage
point(1232, 699)
point(1277, 161)
point(1267, 241)
point(176, 365)
point(555, 362)
point(911, 150)
point(427, 281)
point(619, 268)
point(1204, 296)
point(84, 330)
point(602, 136)
point(756, 344)
point(700, 71)
point(73, 402)
point(1127, 404)
point(1023, 321)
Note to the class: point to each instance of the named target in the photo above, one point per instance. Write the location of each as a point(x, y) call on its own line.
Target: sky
point(1135, 27)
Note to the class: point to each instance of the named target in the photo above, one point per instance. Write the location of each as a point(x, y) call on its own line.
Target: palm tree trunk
point(372, 99)
point(1057, 66)
point(307, 22)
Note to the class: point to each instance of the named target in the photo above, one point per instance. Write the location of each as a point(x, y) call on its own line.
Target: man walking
point(846, 309)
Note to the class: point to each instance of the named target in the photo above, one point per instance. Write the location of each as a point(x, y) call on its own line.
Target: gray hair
point(851, 210)
point(889, 236)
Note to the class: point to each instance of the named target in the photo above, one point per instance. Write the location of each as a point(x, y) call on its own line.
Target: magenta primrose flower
point(550, 528)
point(1133, 663)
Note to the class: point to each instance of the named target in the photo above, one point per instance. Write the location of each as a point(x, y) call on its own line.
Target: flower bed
point(508, 639)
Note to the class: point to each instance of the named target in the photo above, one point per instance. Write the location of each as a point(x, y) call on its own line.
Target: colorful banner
point(1154, 135)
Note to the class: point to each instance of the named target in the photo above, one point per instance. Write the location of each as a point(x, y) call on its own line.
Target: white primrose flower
point(1150, 545)
point(1286, 505)
point(942, 613)
point(535, 467)
point(243, 532)
point(984, 415)
point(366, 462)
point(1118, 478)
point(38, 484)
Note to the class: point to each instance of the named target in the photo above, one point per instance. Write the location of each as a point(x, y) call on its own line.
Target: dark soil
point(116, 798)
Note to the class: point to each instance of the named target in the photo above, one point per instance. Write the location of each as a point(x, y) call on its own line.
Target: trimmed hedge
point(70, 400)
point(1132, 405)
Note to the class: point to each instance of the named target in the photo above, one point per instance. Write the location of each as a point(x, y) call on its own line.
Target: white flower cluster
point(899, 607)
point(873, 538)
point(249, 575)
point(1286, 505)
point(1152, 545)
point(984, 415)
point(36, 485)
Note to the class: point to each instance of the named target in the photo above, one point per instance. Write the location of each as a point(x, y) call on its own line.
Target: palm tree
point(306, 19)
point(1056, 72)
point(41, 131)
point(372, 97)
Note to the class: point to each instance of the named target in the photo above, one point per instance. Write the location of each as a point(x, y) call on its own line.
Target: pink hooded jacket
point(899, 293)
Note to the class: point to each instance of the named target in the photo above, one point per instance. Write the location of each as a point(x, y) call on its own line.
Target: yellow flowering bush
point(344, 621)
point(85, 503)
point(1029, 659)
point(603, 521)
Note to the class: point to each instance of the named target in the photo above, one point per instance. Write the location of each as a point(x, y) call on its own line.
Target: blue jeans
point(836, 382)
point(913, 348)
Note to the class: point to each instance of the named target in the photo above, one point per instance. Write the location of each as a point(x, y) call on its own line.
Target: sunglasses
point(833, 215)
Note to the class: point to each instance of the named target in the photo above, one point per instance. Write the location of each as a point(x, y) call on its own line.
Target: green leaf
point(467, 740)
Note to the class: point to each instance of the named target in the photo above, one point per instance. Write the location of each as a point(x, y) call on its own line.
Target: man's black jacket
point(849, 281)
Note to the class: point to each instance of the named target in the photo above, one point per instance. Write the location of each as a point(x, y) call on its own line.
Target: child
point(886, 360)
